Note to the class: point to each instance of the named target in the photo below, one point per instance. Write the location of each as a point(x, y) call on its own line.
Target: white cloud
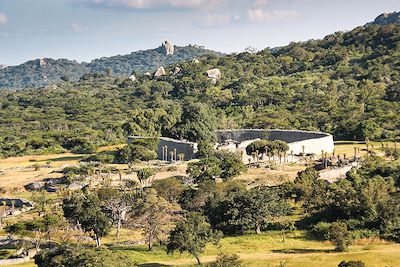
point(3, 18)
point(260, 15)
point(153, 4)
point(260, 3)
point(76, 27)
point(217, 20)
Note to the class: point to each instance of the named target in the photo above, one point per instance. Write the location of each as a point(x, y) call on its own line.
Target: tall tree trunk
point(118, 227)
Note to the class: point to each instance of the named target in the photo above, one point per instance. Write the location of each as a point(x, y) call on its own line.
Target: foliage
point(43, 72)
point(339, 236)
point(75, 256)
point(323, 85)
point(170, 189)
point(224, 165)
point(85, 210)
point(153, 216)
point(226, 260)
point(138, 149)
point(243, 210)
point(191, 235)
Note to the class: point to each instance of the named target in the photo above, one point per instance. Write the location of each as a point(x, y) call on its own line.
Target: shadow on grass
point(301, 251)
point(78, 157)
point(152, 265)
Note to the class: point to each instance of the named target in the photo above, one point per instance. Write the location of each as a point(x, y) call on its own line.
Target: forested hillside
point(347, 84)
point(47, 71)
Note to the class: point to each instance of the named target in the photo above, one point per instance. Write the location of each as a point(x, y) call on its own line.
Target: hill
point(386, 18)
point(346, 84)
point(47, 71)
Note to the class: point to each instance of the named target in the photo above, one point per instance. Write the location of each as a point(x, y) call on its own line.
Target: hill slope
point(346, 84)
point(43, 72)
point(386, 18)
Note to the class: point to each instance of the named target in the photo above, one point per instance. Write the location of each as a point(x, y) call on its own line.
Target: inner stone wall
point(289, 136)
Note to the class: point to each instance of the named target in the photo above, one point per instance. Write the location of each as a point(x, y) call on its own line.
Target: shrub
point(321, 231)
point(339, 236)
point(226, 260)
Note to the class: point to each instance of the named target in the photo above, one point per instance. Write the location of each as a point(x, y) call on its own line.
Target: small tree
point(340, 236)
point(86, 210)
point(191, 235)
point(153, 216)
point(144, 175)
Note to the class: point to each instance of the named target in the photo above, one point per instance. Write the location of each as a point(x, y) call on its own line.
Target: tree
point(206, 169)
point(85, 210)
point(339, 236)
point(153, 216)
point(224, 165)
point(243, 210)
point(144, 176)
point(191, 235)
point(116, 205)
point(170, 189)
point(36, 229)
point(139, 149)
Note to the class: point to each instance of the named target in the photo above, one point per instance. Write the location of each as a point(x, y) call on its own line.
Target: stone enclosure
point(236, 141)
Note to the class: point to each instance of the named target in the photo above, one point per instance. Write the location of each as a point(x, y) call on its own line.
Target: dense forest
point(47, 71)
point(347, 84)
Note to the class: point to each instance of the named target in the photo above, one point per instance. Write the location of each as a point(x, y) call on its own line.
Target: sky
point(83, 30)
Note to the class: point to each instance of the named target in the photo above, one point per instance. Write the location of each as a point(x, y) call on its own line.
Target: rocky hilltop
point(47, 71)
point(387, 18)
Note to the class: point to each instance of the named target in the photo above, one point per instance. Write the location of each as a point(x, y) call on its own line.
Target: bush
point(339, 236)
point(71, 256)
point(321, 231)
point(226, 260)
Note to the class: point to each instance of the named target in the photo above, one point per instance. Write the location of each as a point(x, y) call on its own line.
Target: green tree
point(86, 210)
point(191, 235)
point(340, 236)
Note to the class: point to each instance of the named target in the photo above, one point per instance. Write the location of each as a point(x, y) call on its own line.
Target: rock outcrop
point(195, 61)
point(214, 74)
point(132, 78)
point(160, 72)
point(177, 70)
point(387, 18)
point(167, 48)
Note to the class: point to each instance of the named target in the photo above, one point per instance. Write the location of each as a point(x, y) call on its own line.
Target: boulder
point(195, 61)
point(160, 72)
point(132, 78)
point(214, 74)
point(177, 70)
point(33, 186)
point(167, 48)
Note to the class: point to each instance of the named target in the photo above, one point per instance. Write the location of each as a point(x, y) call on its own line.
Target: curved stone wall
point(312, 142)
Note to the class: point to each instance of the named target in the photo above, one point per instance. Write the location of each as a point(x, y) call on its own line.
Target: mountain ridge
point(47, 71)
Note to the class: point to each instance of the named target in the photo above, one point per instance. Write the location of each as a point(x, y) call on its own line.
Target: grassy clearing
point(267, 249)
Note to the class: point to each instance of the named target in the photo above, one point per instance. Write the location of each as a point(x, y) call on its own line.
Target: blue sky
point(88, 29)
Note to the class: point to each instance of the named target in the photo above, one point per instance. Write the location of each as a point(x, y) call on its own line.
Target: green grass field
point(267, 249)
